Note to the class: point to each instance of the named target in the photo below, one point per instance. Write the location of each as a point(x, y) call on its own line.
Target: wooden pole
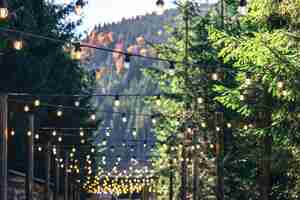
point(171, 192)
point(30, 159)
point(3, 147)
point(183, 175)
point(48, 171)
point(66, 193)
point(195, 178)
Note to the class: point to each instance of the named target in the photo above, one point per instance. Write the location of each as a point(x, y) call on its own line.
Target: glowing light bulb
point(200, 100)
point(37, 102)
point(59, 139)
point(37, 136)
point(117, 101)
point(81, 133)
point(40, 149)
point(215, 76)
point(12, 133)
point(3, 13)
point(280, 84)
point(54, 133)
point(18, 44)
point(73, 150)
point(82, 141)
point(242, 97)
point(59, 113)
point(77, 103)
point(134, 133)
point(92, 150)
point(29, 133)
point(26, 108)
point(160, 4)
point(93, 117)
point(229, 125)
point(153, 120)
point(124, 118)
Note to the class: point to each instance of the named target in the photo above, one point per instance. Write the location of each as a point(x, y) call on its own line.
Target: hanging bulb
point(59, 113)
point(3, 12)
point(29, 133)
point(59, 139)
point(215, 76)
point(73, 150)
point(104, 142)
point(92, 150)
point(172, 69)
point(82, 141)
point(77, 103)
point(218, 129)
point(124, 118)
point(81, 133)
point(71, 155)
point(203, 125)
point(54, 133)
point(229, 125)
point(200, 100)
point(145, 144)
point(37, 136)
point(153, 119)
point(242, 9)
point(127, 61)
point(77, 51)
point(93, 117)
point(160, 4)
point(280, 84)
point(78, 7)
point(26, 108)
point(158, 101)
point(18, 44)
point(134, 133)
point(40, 149)
point(242, 97)
point(117, 101)
point(12, 133)
point(37, 103)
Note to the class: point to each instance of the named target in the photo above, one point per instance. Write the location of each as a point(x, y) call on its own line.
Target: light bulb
point(3, 13)
point(134, 133)
point(77, 103)
point(81, 133)
point(153, 120)
point(124, 118)
point(29, 133)
point(229, 125)
point(200, 100)
point(218, 129)
point(59, 113)
point(127, 62)
point(37, 136)
point(37, 102)
point(54, 133)
point(242, 97)
point(117, 101)
point(73, 150)
point(18, 44)
point(160, 4)
point(280, 84)
point(82, 141)
point(93, 117)
point(12, 133)
point(158, 101)
point(59, 139)
point(26, 108)
point(92, 150)
point(40, 149)
point(215, 76)
point(203, 125)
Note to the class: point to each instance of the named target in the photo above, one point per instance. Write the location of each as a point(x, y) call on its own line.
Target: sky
point(103, 11)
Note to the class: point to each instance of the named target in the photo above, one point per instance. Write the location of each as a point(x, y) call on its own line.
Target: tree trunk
point(265, 179)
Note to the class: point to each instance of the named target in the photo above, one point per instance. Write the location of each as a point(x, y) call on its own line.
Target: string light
point(12, 133)
point(215, 76)
point(280, 84)
point(127, 61)
point(40, 149)
point(153, 119)
point(73, 150)
point(18, 44)
point(37, 136)
point(82, 141)
point(92, 150)
point(59, 139)
point(229, 125)
point(134, 133)
point(117, 101)
point(200, 100)
point(160, 4)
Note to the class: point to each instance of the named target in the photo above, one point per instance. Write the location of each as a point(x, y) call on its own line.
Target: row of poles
point(70, 188)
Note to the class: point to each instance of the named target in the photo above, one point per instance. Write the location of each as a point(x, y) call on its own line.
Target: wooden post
point(30, 159)
point(57, 178)
point(66, 192)
point(3, 147)
point(266, 168)
point(48, 171)
point(220, 155)
point(195, 178)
